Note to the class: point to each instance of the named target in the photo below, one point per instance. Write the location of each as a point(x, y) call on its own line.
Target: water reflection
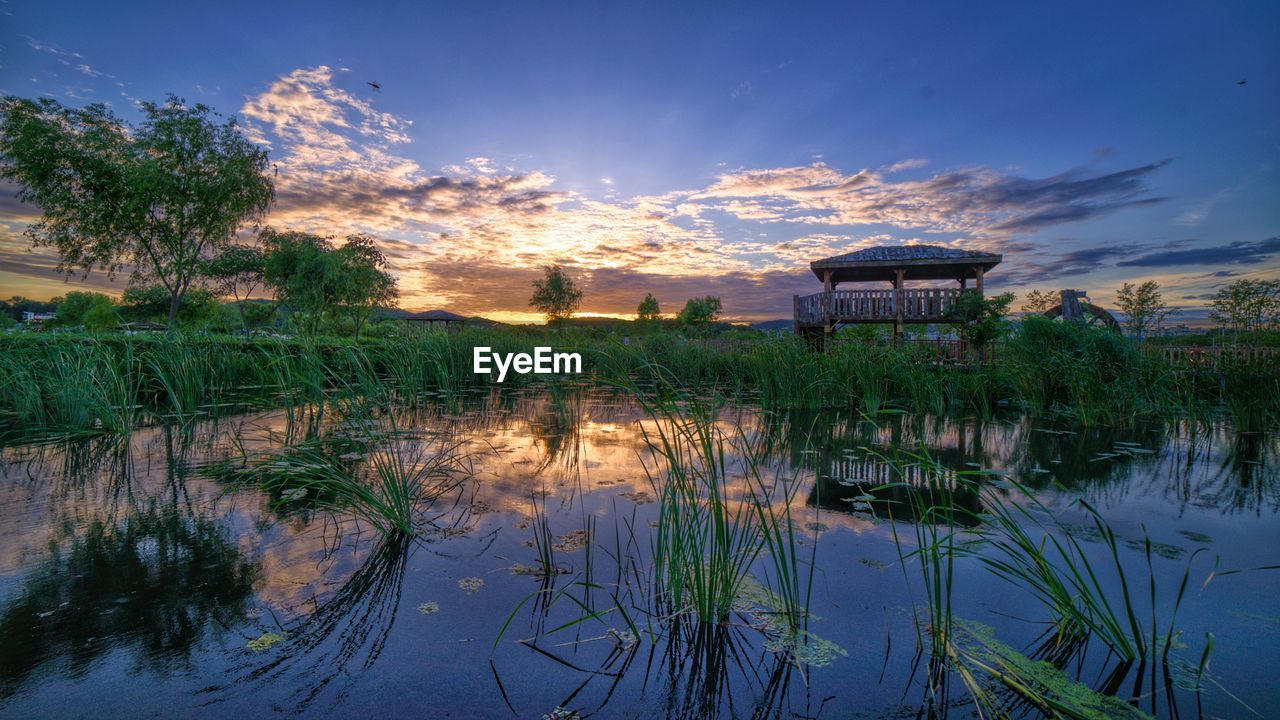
point(689, 671)
point(715, 671)
point(1210, 468)
point(327, 649)
point(155, 583)
point(156, 551)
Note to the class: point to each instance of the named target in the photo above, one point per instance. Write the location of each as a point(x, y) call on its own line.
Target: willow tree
point(298, 266)
point(153, 199)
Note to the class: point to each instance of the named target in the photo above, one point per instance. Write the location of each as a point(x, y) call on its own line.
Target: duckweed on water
point(639, 498)
point(572, 542)
point(1037, 682)
point(265, 642)
point(769, 615)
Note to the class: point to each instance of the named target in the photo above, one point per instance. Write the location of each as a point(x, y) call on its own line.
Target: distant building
point(436, 320)
point(36, 319)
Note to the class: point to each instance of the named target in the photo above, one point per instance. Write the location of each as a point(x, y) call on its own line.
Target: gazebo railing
point(918, 305)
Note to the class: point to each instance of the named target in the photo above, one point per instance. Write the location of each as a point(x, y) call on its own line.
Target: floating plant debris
point(264, 642)
point(573, 541)
point(1195, 536)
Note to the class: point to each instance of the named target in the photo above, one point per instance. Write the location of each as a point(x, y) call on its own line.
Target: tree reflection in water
point(346, 633)
point(694, 670)
point(154, 583)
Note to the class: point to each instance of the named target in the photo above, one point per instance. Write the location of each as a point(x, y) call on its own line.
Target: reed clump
point(1086, 598)
point(717, 522)
point(103, 383)
point(381, 474)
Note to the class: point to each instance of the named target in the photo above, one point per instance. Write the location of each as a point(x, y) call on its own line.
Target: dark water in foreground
point(136, 581)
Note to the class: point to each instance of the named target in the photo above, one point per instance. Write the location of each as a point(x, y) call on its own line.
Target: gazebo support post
point(828, 319)
point(899, 276)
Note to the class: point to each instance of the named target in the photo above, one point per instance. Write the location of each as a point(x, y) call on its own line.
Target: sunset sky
point(688, 149)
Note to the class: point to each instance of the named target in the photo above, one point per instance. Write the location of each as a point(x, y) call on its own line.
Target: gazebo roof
point(436, 315)
point(920, 262)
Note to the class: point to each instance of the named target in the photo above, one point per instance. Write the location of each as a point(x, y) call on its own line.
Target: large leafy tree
point(236, 271)
point(555, 294)
point(1247, 305)
point(700, 311)
point(362, 279)
point(313, 279)
point(89, 310)
point(299, 267)
point(152, 198)
point(1143, 306)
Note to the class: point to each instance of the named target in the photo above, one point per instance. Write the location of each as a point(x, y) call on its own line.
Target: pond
point(147, 577)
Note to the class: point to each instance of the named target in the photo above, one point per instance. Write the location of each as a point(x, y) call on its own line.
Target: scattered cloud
point(908, 164)
point(471, 235)
point(49, 48)
point(976, 200)
point(1236, 253)
point(86, 69)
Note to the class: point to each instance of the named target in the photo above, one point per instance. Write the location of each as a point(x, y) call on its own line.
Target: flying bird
point(1240, 83)
point(375, 85)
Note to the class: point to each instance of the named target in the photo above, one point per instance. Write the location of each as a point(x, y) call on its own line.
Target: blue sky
point(687, 149)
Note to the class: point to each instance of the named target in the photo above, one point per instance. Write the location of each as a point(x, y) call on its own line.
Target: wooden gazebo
point(825, 312)
point(436, 320)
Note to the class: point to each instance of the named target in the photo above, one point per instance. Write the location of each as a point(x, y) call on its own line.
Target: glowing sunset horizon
point(683, 153)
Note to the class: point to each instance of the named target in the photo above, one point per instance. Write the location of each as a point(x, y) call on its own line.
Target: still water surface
point(136, 580)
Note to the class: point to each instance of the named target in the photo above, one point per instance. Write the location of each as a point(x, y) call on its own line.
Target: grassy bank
point(91, 383)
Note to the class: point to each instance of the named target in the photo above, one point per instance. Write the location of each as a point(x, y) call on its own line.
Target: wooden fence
point(1210, 356)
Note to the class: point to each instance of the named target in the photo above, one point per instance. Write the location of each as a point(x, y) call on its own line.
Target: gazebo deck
point(822, 313)
point(919, 305)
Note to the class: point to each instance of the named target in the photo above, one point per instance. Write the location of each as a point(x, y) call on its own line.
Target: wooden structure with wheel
point(1075, 307)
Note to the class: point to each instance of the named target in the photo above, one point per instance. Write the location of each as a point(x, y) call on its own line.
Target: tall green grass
point(69, 382)
point(706, 540)
point(1090, 375)
point(718, 522)
point(390, 482)
point(1086, 599)
point(1251, 392)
